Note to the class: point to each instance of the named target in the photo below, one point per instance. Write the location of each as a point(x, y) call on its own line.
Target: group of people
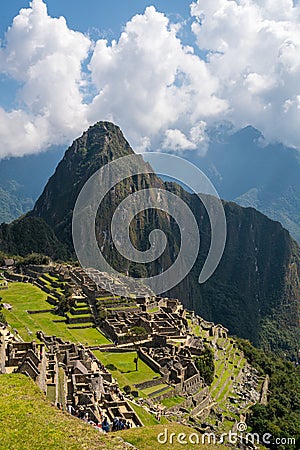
point(103, 425)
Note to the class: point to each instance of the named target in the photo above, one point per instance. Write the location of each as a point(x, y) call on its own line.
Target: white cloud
point(149, 82)
point(161, 93)
point(254, 48)
point(178, 141)
point(45, 56)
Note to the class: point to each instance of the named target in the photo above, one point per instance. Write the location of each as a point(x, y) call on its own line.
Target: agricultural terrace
point(26, 297)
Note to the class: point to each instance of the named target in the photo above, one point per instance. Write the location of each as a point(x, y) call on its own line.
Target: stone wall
point(149, 361)
point(2, 353)
point(151, 383)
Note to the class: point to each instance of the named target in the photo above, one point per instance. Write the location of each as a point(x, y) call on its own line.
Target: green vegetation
point(2, 317)
point(25, 296)
point(172, 401)
point(29, 422)
point(135, 334)
point(34, 258)
point(146, 438)
point(232, 297)
point(205, 364)
point(281, 416)
point(147, 418)
point(150, 390)
point(126, 373)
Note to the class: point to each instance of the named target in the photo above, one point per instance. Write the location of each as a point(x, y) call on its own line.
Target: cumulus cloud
point(176, 140)
point(161, 92)
point(253, 48)
point(45, 57)
point(148, 81)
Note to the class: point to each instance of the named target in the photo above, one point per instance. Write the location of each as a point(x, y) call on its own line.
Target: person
point(81, 414)
point(115, 424)
point(105, 425)
point(71, 409)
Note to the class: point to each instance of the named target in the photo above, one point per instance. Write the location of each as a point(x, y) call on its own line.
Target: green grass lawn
point(90, 336)
point(172, 401)
point(25, 296)
point(152, 389)
point(29, 422)
point(51, 391)
point(126, 373)
point(52, 278)
point(147, 418)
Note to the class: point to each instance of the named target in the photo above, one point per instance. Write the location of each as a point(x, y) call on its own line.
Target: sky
point(165, 71)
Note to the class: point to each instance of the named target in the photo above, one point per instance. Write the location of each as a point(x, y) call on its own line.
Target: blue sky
point(57, 77)
point(98, 18)
point(108, 17)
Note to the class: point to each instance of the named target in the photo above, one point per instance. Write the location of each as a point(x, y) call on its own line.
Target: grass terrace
point(126, 373)
point(25, 296)
point(153, 389)
point(172, 401)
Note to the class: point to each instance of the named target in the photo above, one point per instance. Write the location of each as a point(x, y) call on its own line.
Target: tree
point(134, 335)
point(102, 312)
point(2, 318)
point(205, 365)
point(35, 259)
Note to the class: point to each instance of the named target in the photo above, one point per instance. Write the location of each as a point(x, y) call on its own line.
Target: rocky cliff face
point(255, 291)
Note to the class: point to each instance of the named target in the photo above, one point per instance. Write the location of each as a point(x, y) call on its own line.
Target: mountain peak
point(101, 138)
point(100, 144)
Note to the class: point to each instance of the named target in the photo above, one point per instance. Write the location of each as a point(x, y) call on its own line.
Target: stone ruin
point(28, 358)
point(75, 378)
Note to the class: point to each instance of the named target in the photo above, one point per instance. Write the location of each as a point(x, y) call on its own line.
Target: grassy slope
point(29, 422)
point(146, 438)
point(25, 296)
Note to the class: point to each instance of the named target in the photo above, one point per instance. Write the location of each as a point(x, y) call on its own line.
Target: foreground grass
point(126, 373)
point(29, 422)
point(146, 438)
point(25, 296)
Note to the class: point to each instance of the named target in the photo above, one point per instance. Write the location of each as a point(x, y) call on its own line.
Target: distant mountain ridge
point(241, 166)
point(250, 173)
point(22, 181)
point(255, 291)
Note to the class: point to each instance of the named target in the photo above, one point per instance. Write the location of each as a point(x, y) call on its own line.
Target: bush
point(135, 394)
point(35, 259)
point(127, 389)
point(111, 367)
point(205, 365)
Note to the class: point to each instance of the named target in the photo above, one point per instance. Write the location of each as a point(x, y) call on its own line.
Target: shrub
point(127, 389)
point(111, 367)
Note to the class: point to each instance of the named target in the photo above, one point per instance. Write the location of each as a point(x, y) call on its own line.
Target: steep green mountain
point(31, 235)
point(255, 291)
